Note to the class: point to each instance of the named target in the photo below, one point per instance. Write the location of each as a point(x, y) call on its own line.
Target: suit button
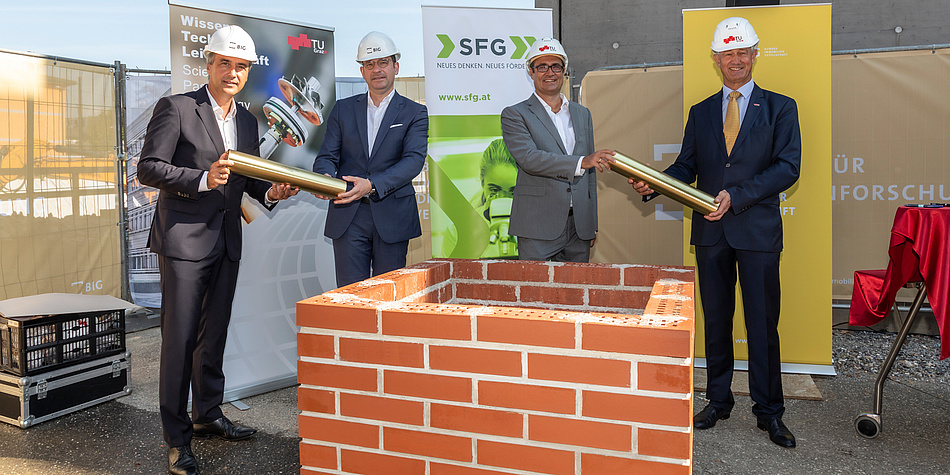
point(728, 165)
point(568, 189)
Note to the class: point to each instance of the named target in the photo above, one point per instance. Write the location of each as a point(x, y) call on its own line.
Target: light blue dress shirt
point(746, 91)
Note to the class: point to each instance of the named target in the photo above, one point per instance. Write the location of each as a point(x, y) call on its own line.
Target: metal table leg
point(868, 425)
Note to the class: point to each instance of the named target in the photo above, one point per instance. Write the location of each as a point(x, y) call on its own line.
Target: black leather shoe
point(223, 428)
point(181, 461)
point(709, 415)
point(778, 433)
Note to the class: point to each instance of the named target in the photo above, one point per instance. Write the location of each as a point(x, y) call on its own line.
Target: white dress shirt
point(562, 122)
point(374, 117)
point(227, 125)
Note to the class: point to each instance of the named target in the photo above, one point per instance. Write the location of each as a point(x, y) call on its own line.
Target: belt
point(364, 200)
point(570, 211)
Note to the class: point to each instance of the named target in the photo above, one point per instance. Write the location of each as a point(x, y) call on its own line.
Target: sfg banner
point(475, 67)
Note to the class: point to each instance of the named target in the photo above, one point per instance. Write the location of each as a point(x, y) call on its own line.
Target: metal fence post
point(121, 167)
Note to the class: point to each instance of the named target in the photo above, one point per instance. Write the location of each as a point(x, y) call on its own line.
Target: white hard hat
point(232, 41)
point(546, 46)
point(734, 33)
point(376, 45)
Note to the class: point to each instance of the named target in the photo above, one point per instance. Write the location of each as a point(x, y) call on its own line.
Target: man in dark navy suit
point(196, 233)
point(377, 141)
point(743, 146)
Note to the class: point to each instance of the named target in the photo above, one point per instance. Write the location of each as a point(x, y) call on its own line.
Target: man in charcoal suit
point(196, 233)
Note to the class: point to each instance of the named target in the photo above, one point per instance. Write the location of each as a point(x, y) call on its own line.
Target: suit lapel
point(756, 99)
point(395, 107)
point(715, 118)
point(360, 112)
point(206, 114)
point(580, 129)
point(244, 122)
point(536, 108)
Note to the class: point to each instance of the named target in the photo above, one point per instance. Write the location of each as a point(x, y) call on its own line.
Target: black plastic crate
point(40, 343)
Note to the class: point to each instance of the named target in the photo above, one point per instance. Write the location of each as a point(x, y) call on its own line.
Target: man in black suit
point(196, 233)
point(742, 145)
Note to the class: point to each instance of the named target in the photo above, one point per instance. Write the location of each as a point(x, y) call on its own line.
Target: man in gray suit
point(554, 210)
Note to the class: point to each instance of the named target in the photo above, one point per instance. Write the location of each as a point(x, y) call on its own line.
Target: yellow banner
point(794, 60)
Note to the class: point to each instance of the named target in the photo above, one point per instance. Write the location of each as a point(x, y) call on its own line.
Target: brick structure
point(470, 367)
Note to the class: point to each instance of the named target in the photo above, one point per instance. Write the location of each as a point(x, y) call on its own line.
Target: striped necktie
point(730, 126)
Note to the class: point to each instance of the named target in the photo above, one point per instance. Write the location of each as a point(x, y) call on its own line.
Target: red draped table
point(919, 250)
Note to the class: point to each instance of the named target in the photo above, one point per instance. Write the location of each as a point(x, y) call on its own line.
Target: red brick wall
point(468, 367)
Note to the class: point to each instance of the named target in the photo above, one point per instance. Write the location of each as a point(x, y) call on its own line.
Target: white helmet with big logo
point(232, 41)
point(376, 45)
point(734, 33)
point(544, 47)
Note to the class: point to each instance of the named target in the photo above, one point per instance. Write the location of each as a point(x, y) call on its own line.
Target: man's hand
point(725, 202)
point(219, 172)
point(281, 191)
point(322, 197)
point(361, 188)
point(600, 159)
point(640, 187)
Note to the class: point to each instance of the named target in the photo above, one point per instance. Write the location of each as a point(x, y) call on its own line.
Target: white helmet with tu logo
point(544, 47)
point(232, 41)
point(734, 33)
point(376, 45)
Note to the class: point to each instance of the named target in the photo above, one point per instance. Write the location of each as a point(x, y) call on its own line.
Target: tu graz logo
point(297, 42)
point(478, 46)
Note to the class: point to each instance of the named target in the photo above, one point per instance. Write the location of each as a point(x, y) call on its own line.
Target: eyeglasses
point(382, 63)
point(543, 68)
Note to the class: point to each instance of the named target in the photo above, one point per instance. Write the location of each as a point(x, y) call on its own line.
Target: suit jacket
point(765, 161)
point(181, 143)
point(546, 182)
point(398, 154)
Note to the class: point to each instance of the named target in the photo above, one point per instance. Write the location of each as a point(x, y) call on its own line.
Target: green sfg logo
point(479, 46)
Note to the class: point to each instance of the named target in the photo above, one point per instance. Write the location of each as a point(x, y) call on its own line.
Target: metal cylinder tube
point(664, 184)
point(274, 172)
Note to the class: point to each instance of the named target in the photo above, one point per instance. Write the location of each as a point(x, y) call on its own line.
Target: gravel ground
point(860, 354)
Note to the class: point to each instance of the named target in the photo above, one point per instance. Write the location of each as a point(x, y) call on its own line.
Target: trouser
point(196, 311)
point(567, 247)
point(360, 252)
point(758, 275)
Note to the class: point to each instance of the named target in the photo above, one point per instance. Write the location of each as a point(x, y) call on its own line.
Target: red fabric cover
point(919, 250)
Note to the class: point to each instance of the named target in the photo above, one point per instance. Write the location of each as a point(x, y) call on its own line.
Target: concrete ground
point(914, 439)
point(124, 436)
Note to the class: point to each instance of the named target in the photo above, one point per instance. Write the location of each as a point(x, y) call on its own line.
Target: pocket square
point(395, 125)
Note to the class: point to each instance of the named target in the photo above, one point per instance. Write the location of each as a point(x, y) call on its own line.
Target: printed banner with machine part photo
point(475, 67)
point(290, 89)
point(794, 60)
